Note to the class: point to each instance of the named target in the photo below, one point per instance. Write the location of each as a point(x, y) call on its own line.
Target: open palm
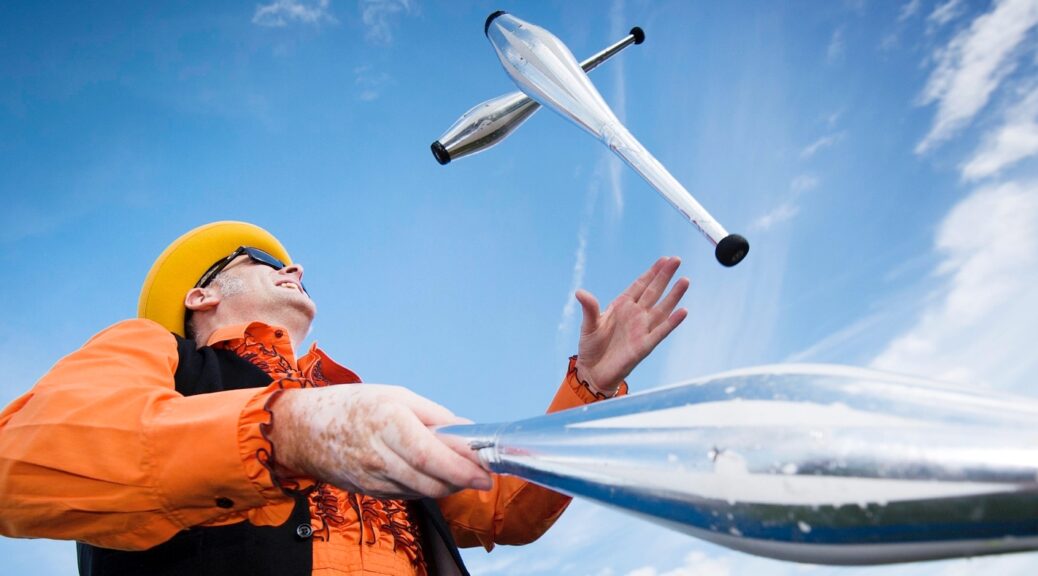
point(613, 342)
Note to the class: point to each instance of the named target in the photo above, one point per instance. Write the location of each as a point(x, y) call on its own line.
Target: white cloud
point(973, 65)
point(696, 564)
point(788, 209)
point(613, 169)
point(835, 51)
point(379, 17)
point(618, 27)
point(603, 172)
point(369, 82)
point(945, 13)
point(833, 118)
point(821, 144)
point(804, 183)
point(1014, 140)
point(281, 12)
point(971, 330)
point(569, 310)
point(616, 169)
point(782, 213)
point(824, 348)
point(909, 9)
point(892, 40)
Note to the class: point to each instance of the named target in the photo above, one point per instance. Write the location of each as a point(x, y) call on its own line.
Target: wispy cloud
point(369, 82)
point(283, 12)
point(973, 65)
point(832, 118)
point(945, 13)
point(972, 326)
point(804, 183)
point(788, 209)
point(616, 170)
point(892, 39)
point(781, 213)
point(821, 144)
point(610, 169)
point(380, 16)
point(569, 310)
point(1015, 139)
point(618, 26)
point(837, 47)
point(823, 349)
point(696, 564)
point(909, 9)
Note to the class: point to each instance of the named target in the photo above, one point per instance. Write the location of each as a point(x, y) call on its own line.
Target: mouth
point(290, 286)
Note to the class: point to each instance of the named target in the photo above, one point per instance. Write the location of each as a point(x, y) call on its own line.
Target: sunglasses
point(255, 254)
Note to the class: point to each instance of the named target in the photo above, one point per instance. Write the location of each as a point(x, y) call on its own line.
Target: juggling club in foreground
point(488, 123)
point(808, 463)
point(544, 68)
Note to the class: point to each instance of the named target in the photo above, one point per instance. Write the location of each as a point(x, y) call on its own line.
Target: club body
point(490, 122)
point(807, 463)
point(544, 68)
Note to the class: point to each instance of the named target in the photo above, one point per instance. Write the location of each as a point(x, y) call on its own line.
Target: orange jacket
point(104, 450)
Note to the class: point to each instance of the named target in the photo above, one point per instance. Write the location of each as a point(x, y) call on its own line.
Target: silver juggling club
point(488, 123)
point(808, 463)
point(544, 68)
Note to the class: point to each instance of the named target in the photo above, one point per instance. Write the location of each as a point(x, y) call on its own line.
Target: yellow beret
point(183, 262)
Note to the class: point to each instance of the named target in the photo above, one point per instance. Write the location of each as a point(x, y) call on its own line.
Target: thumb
point(589, 305)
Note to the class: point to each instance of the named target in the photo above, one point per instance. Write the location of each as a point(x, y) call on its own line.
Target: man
point(194, 440)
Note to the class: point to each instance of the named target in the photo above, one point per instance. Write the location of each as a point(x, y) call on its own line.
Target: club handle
point(636, 36)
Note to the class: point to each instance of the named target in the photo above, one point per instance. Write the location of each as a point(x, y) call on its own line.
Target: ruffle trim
point(585, 389)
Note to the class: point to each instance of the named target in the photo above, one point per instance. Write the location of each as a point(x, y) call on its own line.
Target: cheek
point(232, 286)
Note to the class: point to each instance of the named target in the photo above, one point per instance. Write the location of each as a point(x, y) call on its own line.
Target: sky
point(879, 156)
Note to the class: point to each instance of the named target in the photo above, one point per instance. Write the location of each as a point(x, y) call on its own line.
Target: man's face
point(250, 287)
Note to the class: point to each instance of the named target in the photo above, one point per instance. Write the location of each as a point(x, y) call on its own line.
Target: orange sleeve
point(514, 511)
point(104, 450)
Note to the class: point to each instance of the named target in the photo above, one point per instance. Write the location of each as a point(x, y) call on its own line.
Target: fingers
point(589, 304)
point(431, 467)
point(428, 412)
point(659, 281)
point(434, 465)
point(670, 301)
point(667, 326)
point(635, 290)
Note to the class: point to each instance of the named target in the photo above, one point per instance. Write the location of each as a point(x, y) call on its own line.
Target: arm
point(611, 344)
point(104, 450)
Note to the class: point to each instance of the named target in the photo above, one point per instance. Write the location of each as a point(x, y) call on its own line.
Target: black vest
point(244, 549)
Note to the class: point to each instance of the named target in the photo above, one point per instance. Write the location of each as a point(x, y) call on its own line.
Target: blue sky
point(880, 157)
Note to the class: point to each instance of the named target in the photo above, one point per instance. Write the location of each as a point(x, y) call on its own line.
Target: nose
point(295, 269)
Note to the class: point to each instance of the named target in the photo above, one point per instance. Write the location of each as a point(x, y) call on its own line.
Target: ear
point(199, 299)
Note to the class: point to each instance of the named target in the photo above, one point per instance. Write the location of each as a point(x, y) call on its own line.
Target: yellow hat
point(183, 262)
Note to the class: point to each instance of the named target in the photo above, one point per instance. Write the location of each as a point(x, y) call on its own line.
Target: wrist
point(585, 376)
point(282, 433)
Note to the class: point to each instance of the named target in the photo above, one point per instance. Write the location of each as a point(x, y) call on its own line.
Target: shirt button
point(224, 502)
point(304, 531)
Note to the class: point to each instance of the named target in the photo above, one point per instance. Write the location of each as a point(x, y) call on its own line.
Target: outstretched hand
point(613, 342)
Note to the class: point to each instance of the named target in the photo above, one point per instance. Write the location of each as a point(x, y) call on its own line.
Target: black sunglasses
point(255, 254)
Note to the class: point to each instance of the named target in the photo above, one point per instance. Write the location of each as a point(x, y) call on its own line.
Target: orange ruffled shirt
point(105, 451)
